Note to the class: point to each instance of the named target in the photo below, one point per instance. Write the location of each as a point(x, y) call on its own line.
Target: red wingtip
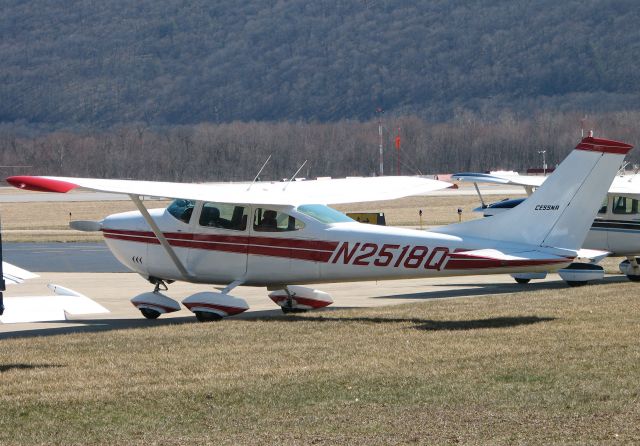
point(604, 145)
point(40, 184)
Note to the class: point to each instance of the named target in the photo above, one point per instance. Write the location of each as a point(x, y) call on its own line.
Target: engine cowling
point(156, 302)
point(213, 303)
point(302, 298)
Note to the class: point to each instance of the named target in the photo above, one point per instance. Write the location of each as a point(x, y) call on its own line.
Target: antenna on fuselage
point(259, 172)
point(294, 175)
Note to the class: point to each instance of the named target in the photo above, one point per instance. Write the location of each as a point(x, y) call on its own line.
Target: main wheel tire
point(523, 281)
point(149, 313)
point(207, 316)
point(576, 283)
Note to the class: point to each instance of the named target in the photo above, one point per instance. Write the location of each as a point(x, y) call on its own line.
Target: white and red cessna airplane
point(282, 235)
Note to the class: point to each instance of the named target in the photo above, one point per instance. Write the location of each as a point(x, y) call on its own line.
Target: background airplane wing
point(500, 178)
point(329, 191)
point(627, 186)
point(13, 275)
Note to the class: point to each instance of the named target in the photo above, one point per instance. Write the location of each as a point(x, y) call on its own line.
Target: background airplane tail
point(560, 213)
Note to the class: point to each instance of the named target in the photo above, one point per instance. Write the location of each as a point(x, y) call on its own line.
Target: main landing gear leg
point(289, 307)
point(150, 313)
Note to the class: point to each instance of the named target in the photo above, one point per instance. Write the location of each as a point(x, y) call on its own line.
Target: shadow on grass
point(8, 367)
point(488, 289)
point(421, 324)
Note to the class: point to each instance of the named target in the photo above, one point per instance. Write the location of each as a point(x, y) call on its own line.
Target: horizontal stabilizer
point(593, 255)
point(511, 258)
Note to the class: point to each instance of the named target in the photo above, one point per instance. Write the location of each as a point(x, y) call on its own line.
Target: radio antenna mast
point(259, 172)
point(294, 175)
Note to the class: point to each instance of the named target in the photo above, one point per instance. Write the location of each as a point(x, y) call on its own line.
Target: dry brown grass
point(49, 221)
point(541, 367)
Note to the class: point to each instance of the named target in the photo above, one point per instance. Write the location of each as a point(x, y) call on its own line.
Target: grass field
point(547, 367)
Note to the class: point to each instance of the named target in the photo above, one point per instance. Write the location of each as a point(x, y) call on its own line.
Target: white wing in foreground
point(330, 191)
point(13, 275)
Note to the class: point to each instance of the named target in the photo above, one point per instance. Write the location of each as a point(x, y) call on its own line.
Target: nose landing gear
point(153, 304)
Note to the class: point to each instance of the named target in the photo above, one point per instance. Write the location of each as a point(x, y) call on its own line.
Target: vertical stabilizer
point(560, 213)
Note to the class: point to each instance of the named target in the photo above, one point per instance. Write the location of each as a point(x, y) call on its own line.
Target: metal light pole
point(2, 284)
point(379, 111)
point(544, 161)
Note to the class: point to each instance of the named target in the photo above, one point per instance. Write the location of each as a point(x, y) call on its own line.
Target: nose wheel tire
point(207, 316)
point(523, 281)
point(149, 313)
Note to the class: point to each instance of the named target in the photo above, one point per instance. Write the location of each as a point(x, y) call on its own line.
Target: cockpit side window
point(268, 220)
point(182, 209)
point(223, 215)
point(625, 205)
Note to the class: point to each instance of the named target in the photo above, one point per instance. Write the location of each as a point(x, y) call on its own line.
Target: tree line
point(235, 151)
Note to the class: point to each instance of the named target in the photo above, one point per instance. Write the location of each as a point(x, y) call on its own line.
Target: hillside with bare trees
point(168, 62)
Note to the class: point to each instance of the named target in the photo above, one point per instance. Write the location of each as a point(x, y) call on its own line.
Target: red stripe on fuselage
point(314, 250)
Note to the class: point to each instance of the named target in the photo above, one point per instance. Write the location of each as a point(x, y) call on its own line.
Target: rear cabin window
point(625, 205)
point(182, 209)
point(268, 220)
point(223, 215)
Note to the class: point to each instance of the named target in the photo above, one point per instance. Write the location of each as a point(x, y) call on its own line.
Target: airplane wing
point(623, 185)
point(507, 178)
point(329, 191)
point(13, 275)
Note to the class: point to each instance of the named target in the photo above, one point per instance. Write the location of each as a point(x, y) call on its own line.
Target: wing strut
point(479, 195)
point(160, 236)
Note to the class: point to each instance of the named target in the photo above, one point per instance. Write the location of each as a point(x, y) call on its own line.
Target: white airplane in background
point(616, 227)
point(283, 235)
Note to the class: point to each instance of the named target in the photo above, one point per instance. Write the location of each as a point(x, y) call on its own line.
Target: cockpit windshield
point(182, 209)
point(324, 214)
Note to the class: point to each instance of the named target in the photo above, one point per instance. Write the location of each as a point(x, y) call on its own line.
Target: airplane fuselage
point(312, 252)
